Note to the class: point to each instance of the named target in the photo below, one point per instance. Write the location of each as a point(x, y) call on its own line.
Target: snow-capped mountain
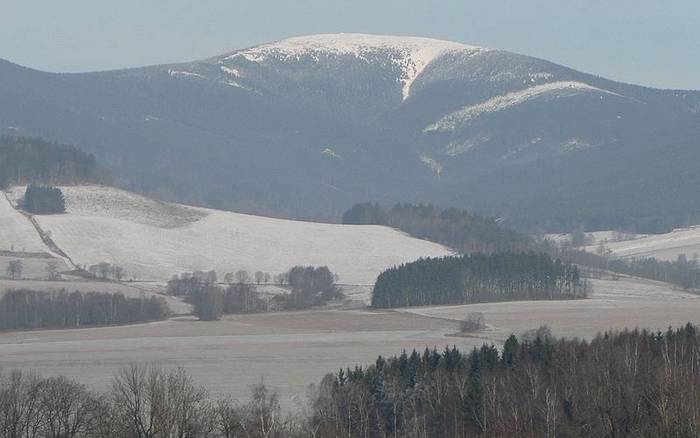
point(308, 125)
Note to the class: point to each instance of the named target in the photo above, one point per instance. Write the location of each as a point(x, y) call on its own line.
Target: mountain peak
point(411, 54)
point(358, 42)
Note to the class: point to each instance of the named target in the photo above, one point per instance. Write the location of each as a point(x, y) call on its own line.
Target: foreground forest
point(631, 383)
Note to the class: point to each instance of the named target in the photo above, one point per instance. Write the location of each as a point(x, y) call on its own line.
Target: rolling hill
point(154, 240)
point(667, 246)
point(306, 126)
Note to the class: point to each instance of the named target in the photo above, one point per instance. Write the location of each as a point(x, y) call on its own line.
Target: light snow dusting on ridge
point(411, 54)
point(185, 74)
point(552, 89)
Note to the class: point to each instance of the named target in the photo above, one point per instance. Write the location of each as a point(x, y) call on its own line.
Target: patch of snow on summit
point(411, 54)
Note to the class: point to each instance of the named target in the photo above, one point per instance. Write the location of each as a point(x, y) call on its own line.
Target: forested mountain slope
point(307, 126)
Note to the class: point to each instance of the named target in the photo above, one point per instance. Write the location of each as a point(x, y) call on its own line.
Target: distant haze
point(644, 42)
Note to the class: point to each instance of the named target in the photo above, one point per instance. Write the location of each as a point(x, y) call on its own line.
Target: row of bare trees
point(308, 286)
point(22, 309)
point(107, 271)
point(15, 268)
point(144, 402)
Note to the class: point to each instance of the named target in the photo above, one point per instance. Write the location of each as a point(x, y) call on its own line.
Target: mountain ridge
point(306, 126)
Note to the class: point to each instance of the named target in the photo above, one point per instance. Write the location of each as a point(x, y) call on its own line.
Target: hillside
point(307, 126)
point(667, 246)
point(153, 240)
point(16, 232)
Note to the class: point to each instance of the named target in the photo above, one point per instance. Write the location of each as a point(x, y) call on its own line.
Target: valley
point(292, 350)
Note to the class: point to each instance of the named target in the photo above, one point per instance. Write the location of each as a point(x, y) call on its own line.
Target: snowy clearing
point(661, 246)
point(153, 240)
point(550, 90)
point(666, 246)
point(595, 238)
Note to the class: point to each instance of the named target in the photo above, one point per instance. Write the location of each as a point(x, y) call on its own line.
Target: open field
point(33, 268)
point(661, 246)
point(289, 350)
point(16, 232)
point(614, 304)
point(294, 349)
point(667, 246)
point(153, 240)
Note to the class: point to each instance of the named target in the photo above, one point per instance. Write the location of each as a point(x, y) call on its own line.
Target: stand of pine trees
point(629, 384)
point(44, 200)
point(478, 278)
point(22, 309)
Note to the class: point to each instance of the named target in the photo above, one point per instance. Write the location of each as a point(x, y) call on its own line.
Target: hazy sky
point(647, 42)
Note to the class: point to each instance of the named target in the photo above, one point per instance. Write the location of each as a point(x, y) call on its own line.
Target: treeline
point(458, 229)
point(26, 161)
point(24, 309)
point(43, 200)
point(478, 278)
point(631, 384)
point(308, 286)
point(682, 272)
point(106, 271)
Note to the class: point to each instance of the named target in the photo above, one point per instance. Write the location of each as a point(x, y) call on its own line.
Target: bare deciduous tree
point(104, 269)
point(153, 403)
point(52, 270)
point(118, 273)
point(242, 276)
point(14, 269)
point(259, 276)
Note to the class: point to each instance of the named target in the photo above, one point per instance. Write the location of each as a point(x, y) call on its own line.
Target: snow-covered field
point(289, 350)
point(615, 304)
point(666, 246)
point(16, 233)
point(33, 268)
point(153, 240)
point(661, 246)
point(596, 237)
